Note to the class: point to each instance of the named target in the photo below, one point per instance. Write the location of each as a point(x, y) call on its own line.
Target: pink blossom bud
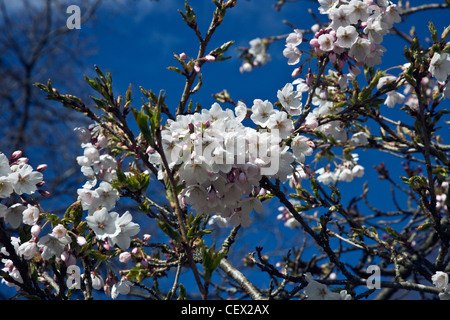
point(146, 237)
point(45, 193)
point(40, 184)
point(106, 245)
point(197, 68)
point(209, 58)
point(22, 160)
point(182, 201)
point(314, 43)
point(332, 57)
point(144, 263)
point(15, 155)
point(341, 63)
point(135, 251)
point(68, 258)
point(35, 230)
point(124, 257)
point(183, 56)
point(41, 167)
point(81, 241)
point(296, 72)
point(150, 149)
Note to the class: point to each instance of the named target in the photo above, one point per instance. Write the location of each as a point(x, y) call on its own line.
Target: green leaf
point(433, 32)
point(74, 213)
point(168, 230)
point(315, 187)
point(53, 218)
point(440, 171)
point(97, 255)
point(128, 94)
point(335, 195)
point(178, 70)
point(211, 260)
point(424, 226)
point(142, 120)
point(391, 232)
point(182, 292)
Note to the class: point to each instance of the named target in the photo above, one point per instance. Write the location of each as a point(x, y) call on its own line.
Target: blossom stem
point(312, 90)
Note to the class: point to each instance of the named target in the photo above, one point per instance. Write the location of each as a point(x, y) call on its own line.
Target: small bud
point(135, 251)
point(209, 58)
point(40, 184)
point(106, 245)
point(15, 155)
point(197, 68)
point(35, 230)
point(124, 257)
point(183, 56)
point(81, 241)
point(45, 193)
point(314, 43)
point(146, 237)
point(22, 160)
point(296, 72)
point(144, 263)
point(41, 167)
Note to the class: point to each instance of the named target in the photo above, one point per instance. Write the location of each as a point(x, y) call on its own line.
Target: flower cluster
point(257, 55)
point(356, 30)
point(346, 171)
point(94, 165)
point(107, 225)
point(17, 176)
point(221, 161)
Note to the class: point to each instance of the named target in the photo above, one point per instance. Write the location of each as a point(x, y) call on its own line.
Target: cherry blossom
point(52, 245)
point(291, 100)
point(28, 249)
point(261, 112)
point(25, 179)
point(440, 66)
point(440, 279)
point(30, 215)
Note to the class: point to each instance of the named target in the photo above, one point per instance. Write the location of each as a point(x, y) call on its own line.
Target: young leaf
point(167, 229)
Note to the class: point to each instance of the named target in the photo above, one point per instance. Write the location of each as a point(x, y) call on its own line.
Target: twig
point(237, 276)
